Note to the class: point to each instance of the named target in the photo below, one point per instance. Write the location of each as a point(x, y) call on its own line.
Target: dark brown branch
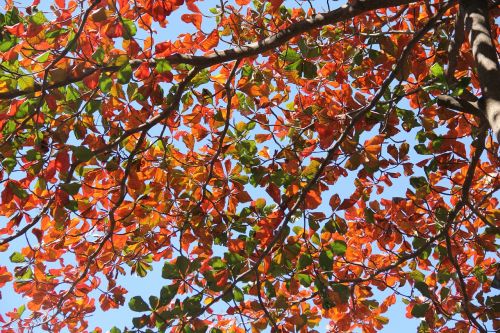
point(264, 308)
point(28, 226)
point(461, 105)
point(451, 219)
point(455, 44)
point(341, 14)
point(485, 58)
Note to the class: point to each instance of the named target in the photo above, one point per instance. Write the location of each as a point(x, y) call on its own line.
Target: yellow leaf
point(26, 83)
point(3, 86)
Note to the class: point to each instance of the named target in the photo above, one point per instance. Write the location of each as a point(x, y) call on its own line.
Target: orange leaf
point(313, 199)
point(5, 276)
point(211, 41)
point(236, 245)
point(192, 18)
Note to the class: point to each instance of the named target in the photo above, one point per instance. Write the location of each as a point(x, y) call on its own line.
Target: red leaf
point(142, 71)
point(347, 203)
point(62, 160)
point(38, 234)
point(192, 7)
point(92, 81)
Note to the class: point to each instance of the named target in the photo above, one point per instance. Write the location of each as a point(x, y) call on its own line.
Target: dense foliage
point(287, 163)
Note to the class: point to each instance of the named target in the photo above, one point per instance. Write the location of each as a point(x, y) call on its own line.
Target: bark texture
point(486, 60)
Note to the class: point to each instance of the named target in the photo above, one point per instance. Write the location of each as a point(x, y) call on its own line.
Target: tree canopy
point(285, 163)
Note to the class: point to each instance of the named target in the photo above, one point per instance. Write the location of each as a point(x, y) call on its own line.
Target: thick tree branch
point(341, 14)
point(486, 60)
point(461, 105)
point(455, 44)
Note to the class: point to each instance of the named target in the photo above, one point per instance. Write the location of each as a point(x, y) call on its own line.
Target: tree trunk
point(485, 58)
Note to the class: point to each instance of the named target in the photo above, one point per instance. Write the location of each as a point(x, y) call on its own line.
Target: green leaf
point(309, 51)
point(339, 247)
point(192, 304)
point(21, 310)
point(124, 74)
point(182, 264)
point(7, 43)
point(18, 191)
point(418, 182)
point(441, 213)
point(83, 154)
point(12, 16)
point(168, 293)
point(269, 289)
point(311, 169)
point(326, 260)
point(140, 322)
point(462, 85)
point(437, 71)
point(130, 28)
point(444, 293)
point(55, 33)
point(26, 83)
point(9, 127)
point(238, 294)
point(163, 66)
point(423, 288)
point(71, 188)
point(305, 279)
point(215, 330)
point(480, 274)
point(417, 276)
point(419, 310)
point(17, 257)
point(33, 155)
point(290, 55)
point(170, 271)
point(9, 164)
point(99, 55)
point(39, 18)
point(137, 304)
point(419, 243)
point(217, 263)
point(304, 261)
point(72, 205)
point(422, 149)
point(105, 84)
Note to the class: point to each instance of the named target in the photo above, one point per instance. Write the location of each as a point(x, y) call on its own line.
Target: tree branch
point(341, 14)
point(461, 105)
point(463, 201)
point(455, 44)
